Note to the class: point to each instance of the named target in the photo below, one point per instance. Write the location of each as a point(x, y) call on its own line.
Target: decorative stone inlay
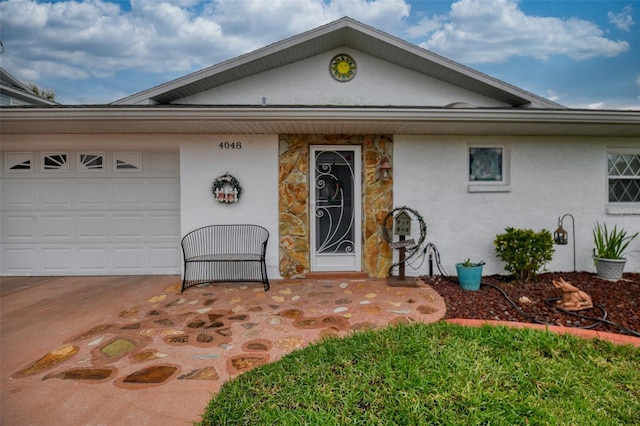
point(81, 374)
point(196, 324)
point(177, 339)
point(243, 363)
point(293, 186)
point(150, 375)
point(130, 312)
point(289, 343)
point(93, 332)
point(206, 373)
point(239, 317)
point(118, 347)
point(204, 338)
point(426, 309)
point(50, 360)
point(144, 356)
point(292, 313)
point(259, 345)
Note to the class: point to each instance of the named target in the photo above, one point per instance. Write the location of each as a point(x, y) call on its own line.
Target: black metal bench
point(225, 253)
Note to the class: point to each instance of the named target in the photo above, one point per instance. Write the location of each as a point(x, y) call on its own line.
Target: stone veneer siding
point(294, 220)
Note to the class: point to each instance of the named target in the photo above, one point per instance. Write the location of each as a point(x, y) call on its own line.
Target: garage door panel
point(127, 227)
point(128, 259)
point(19, 227)
point(162, 194)
point(18, 195)
point(55, 195)
point(92, 227)
point(92, 195)
point(56, 260)
point(56, 227)
point(92, 260)
point(18, 260)
point(163, 259)
point(127, 195)
point(163, 226)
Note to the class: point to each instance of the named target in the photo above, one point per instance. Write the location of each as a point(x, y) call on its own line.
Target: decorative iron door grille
point(335, 208)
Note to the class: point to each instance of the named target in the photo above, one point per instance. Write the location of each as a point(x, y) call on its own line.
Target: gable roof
point(14, 88)
point(342, 33)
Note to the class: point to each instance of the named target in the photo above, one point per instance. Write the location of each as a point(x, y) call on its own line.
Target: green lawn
point(439, 374)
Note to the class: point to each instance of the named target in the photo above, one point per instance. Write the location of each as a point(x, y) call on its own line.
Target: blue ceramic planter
point(469, 277)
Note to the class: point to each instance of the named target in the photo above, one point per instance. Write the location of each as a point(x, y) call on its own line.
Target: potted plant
point(469, 274)
point(609, 251)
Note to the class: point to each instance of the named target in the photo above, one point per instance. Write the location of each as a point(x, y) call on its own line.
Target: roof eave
point(269, 120)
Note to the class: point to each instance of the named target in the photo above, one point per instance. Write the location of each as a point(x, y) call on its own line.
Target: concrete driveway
point(133, 350)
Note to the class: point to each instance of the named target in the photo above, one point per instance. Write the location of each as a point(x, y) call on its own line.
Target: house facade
point(326, 134)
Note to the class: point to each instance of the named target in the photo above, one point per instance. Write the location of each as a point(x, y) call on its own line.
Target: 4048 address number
point(230, 145)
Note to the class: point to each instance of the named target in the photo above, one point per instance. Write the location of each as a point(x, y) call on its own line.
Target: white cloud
point(496, 30)
point(98, 38)
point(623, 20)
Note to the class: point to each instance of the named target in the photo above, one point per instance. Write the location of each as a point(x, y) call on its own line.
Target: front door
point(336, 208)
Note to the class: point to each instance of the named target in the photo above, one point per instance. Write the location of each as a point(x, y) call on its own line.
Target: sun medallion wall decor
point(343, 68)
point(226, 189)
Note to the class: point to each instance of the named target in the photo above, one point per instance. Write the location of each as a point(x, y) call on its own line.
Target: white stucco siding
point(308, 82)
point(254, 165)
point(548, 178)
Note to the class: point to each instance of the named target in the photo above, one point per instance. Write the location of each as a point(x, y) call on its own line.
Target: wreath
point(226, 189)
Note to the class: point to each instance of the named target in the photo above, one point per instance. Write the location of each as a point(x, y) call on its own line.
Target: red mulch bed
point(620, 300)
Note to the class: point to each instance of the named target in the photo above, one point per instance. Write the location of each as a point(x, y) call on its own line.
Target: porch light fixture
point(384, 169)
point(561, 237)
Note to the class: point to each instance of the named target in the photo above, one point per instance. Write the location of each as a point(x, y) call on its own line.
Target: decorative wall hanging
point(226, 189)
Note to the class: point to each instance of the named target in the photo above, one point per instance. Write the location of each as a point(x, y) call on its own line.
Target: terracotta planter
point(609, 269)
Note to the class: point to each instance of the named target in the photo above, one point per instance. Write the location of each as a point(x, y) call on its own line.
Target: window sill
point(489, 188)
point(623, 211)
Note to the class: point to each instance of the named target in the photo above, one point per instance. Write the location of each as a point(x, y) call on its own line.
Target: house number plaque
point(230, 145)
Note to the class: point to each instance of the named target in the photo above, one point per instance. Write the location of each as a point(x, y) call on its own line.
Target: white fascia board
point(266, 114)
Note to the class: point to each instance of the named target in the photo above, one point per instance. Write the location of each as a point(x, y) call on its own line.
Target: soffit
point(410, 121)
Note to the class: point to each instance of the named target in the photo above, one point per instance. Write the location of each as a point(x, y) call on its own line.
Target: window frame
point(620, 207)
point(503, 185)
point(64, 167)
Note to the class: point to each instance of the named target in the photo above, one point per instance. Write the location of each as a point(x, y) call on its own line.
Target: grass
point(439, 374)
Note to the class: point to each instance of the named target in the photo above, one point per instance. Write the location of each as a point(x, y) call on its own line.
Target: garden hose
point(549, 302)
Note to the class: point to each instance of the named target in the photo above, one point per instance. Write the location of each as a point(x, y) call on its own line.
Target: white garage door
point(90, 213)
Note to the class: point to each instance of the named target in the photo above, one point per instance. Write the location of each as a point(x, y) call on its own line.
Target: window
point(55, 162)
point(624, 177)
point(18, 161)
point(488, 168)
point(90, 161)
point(127, 161)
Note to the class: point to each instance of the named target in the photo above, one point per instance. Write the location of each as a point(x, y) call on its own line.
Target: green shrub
point(525, 252)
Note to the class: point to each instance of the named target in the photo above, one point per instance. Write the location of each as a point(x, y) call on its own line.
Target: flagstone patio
point(134, 350)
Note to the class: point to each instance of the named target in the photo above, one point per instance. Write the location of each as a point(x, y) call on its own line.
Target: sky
point(580, 53)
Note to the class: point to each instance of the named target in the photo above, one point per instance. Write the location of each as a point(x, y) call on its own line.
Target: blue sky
point(579, 53)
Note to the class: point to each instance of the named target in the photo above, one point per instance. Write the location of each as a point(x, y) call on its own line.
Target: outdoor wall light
point(560, 236)
point(384, 169)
